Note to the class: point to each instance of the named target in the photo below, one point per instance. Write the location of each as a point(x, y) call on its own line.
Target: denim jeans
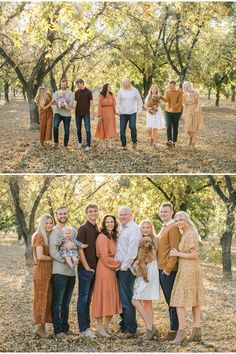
point(126, 287)
point(124, 119)
point(78, 120)
point(86, 284)
point(167, 283)
point(172, 125)
point(66, 122)
point(63, 287)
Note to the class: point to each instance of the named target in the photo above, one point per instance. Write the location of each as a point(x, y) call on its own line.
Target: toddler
point(61, 102)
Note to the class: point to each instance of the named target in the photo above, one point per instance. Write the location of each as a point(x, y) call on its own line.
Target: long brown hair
point(104, 230)
point(105, 90)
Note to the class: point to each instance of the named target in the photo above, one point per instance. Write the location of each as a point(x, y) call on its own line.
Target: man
point(127, 250)
point(62, 111)
point(168, 238)
point(128, 104)
point(83, 111)
point(173, 98)
point(63, 278)
point(88, 234)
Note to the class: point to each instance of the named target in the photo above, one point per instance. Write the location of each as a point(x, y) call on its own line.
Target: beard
point(63, 219)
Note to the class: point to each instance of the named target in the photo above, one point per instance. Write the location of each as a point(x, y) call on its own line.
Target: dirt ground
point(216, 149)
point(17, 328)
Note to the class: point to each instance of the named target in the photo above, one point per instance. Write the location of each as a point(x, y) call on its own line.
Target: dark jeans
point(167, 283)
point(172, 125)
point(66, 122)
point(126, 286)
point(124, 119)
point(78, 120)
point(86, 284)
point(63, 286)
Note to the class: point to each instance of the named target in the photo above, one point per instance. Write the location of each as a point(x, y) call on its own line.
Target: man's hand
point(164, 272)
point(89, 269)
point(174, 253)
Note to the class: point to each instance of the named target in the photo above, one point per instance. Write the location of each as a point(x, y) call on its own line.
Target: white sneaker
point(88, 334)
point(79, 145)
point(88, 148)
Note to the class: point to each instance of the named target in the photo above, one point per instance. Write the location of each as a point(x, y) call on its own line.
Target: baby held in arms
point(62, 102)
point(70, 255)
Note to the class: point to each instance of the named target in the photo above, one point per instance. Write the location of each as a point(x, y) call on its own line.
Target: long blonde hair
point(152, 233)
point(41, 96)
point(41, 228)
point(149, 95)
point(187, 218)
point(188, 86)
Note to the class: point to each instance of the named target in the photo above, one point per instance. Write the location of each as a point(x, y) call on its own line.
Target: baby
point(153, 104)
point(61, 102)
point(71, 255)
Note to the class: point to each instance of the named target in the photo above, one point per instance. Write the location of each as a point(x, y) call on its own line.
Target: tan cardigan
point(168, 238)
point(173, 99)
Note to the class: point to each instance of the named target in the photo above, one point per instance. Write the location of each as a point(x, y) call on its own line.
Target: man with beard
point(63, 278)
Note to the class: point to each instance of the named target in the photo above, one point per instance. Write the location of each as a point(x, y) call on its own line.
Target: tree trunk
point(23, 93)
point(28, 253)
point(14, 92)
point(226, 241)
point(6, 91)
point(233, 93)
point(53, 82)
point(209, 93)
point(147, 83)
point(217, 96)
point(34, 114)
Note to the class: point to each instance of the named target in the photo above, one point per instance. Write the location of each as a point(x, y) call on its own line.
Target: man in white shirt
point(126, 252)
point(128, 104)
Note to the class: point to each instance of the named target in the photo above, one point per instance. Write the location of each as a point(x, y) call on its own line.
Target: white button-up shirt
point(127, 244)
point(128, 101)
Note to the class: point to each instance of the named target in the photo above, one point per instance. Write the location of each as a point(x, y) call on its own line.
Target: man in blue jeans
point(128, 104)
point(64, 101)
point(83, 111)
point(88, 233)
point(63, 278)
point(126, 252)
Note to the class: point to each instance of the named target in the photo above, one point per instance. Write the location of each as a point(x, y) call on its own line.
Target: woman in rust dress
point(106, 300)
point(43, 100)
point(42, 273)
point(106, 128)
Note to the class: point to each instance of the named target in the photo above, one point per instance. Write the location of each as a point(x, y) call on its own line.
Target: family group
point(127, 105)
point(121, 267)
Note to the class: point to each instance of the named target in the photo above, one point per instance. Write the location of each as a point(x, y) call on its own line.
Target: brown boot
point(40, 331)
point(196, 335)
point(170, 335)
point(151, 333)
point(181, 336)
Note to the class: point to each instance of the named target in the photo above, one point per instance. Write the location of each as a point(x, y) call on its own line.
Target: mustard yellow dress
point(192, 120)
point(188, 286)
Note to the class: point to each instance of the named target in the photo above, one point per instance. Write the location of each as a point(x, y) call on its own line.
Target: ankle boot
point(181, 336)
point(102, 332)
point(40, 331)
point(196, 335)
point(151, 333)
point(108, 330)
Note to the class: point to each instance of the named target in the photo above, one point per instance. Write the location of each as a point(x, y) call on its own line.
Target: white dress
point(156, 120)
point(150, 290)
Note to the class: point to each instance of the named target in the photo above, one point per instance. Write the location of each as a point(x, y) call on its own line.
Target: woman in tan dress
point(188, 288)
point(42, 273)
point(106, 300)
point(106, 128)
point(43, 100)
point(192, 114)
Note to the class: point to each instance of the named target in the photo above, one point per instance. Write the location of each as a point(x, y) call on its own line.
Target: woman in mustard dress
point(192, 114)
point(106, 128)
point(106, 300)
point(42, 273)
point(43, 100)
point(188, 288)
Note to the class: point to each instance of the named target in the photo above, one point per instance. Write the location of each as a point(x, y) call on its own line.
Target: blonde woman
point(188, 289)
point(42, 272)
point(146, 292)
point(192, 114)
point(154, 116)
point(43, 99)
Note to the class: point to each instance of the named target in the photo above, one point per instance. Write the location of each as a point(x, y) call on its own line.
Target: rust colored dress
point(106, 299)
point(42, 273)
point(192, 120)
point(106, 127)
point(45, 121)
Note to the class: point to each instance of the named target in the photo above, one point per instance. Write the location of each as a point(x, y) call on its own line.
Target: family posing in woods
point(121, 267)
point(127, 105)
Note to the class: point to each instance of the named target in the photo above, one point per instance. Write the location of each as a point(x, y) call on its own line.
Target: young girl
point(42, 273)
point(71, 255)
point(43, 99)
point(188, 288)
point(146, 292)
point(154, 114)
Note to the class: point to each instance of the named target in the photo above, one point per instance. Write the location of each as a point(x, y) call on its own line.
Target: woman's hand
point(174, 253)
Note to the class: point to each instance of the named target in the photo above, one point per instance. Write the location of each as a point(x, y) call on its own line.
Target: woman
point(188, 288)
point(106, 128)
point(43, 99)
point(192, 114)
point(145, 292)
point(154, 114)
point(42, 275)
point(106, 300)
